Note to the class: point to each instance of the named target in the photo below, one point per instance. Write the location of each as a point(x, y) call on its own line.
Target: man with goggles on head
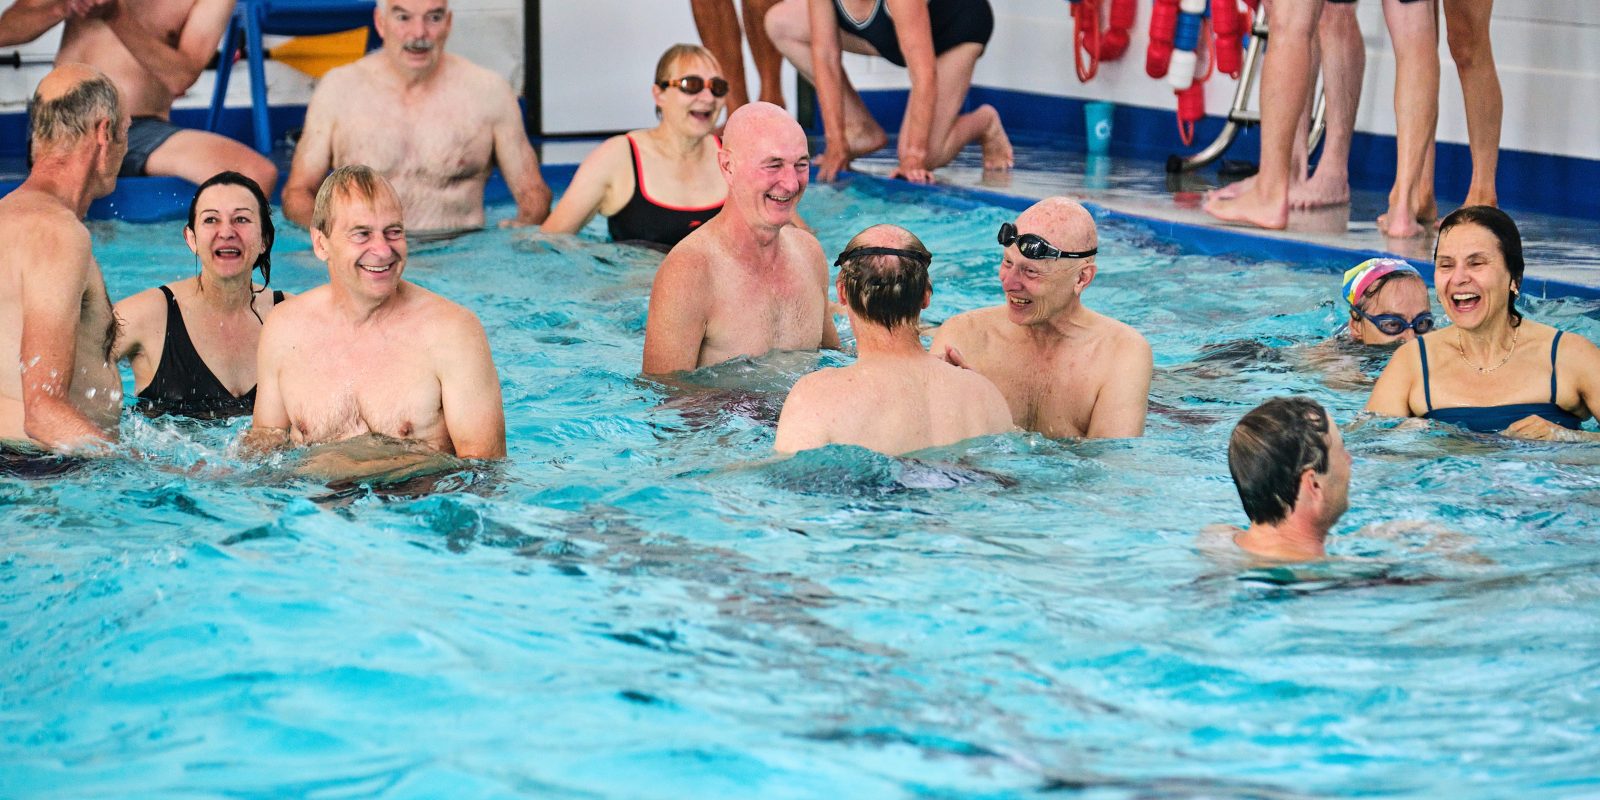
point(1388, 302)
point(895, 398)
point(433, 123)
point(748, 281)
point(1065, 370)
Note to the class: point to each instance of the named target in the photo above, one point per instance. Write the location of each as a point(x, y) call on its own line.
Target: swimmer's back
point(895, 407)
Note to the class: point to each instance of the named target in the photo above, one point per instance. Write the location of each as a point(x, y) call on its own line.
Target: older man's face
point(366, 245)
point(414, 32)
point(1039, 289)
point(768, 174)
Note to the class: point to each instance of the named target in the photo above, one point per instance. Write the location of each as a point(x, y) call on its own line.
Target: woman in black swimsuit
point(192, 343)
point(937, 41)
point(656, 186)
point(1491, 371)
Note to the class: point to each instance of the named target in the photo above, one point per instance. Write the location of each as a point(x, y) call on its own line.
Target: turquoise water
point(641, 604)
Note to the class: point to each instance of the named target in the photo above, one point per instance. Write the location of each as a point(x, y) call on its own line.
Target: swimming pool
point(640, 604)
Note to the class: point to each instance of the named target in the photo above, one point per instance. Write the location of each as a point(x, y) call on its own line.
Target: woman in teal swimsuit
point(1491, 371)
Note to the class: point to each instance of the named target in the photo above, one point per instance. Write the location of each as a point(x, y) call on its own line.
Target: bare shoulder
point(690, 259)
point(802, 247)
point(610, 152)
point(446, 320)
point(341, 81)
point(139, 312)
point(1125, 336)
point(969, 326)
point(297, 314)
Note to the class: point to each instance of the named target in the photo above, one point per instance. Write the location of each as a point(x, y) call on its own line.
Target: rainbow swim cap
point(1361, 276)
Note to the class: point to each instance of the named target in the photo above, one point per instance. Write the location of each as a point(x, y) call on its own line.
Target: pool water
point(642, 603)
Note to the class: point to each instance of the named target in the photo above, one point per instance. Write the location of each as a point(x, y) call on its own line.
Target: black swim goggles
point(1394, 324)
point(1033, 246)
point(915, 256)
point(692, 84)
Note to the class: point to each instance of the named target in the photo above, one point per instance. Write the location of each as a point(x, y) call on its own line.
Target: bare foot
point(1427, 211)
point(1251, 209)
point(1398, 226)
point(997, 153)
point(1322, 190)
point(1232, 190)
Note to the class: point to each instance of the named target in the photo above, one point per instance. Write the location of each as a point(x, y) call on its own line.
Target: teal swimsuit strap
point(1427, 393)
point(1553, 345)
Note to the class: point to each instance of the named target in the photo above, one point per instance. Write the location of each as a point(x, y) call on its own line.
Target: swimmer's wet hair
point(74, 114)
point(352, 180)
point(1269, 449)
point(883, 288)
point(1504, 229)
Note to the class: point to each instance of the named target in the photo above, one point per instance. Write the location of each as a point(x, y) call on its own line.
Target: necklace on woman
point(1485, 370)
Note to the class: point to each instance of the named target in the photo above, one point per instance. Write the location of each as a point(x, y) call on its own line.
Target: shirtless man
point(153, 51)
point(369, 353)
point(1292, 471)
point(431, 122)
point(55, 317)
point(748, 281)
point(896, 398)
point(1065, 370)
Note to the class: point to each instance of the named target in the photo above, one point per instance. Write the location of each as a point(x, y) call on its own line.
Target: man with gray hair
point(369, 354)
point(896, 398)
point(431, 122)
point(62, 390)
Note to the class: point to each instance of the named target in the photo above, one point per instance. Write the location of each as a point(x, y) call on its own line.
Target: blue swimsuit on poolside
point(1494, 419)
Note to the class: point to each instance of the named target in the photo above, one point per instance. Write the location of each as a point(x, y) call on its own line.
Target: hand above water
point(832, 161)
point(1538, 428)
point(954, 357)
point(914, 170)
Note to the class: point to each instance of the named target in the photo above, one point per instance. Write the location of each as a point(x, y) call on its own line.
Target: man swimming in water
point(55, 317)
point(748, 281)
point(1292, 471)
point(369, 352)
point(431, 122)
point(1064, 369)
point(153, 51)
point(896, 398)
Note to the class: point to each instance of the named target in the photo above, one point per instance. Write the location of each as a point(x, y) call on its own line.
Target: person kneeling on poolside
point(1064, 369)
point(369, 352)
point(896, 398)
point(1292, 471)
point(1490, 355)
point(748, 281)
point(679, 155)
point(192, 344)
point(1388, 302)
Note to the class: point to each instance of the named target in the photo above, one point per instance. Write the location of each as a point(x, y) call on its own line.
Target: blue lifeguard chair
point(256, 18)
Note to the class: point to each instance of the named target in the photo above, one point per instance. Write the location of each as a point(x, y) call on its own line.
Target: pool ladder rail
point(1241, 115)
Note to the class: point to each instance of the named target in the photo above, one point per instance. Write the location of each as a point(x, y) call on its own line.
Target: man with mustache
point(431, 122)
point(388, 373)
point(749, 281)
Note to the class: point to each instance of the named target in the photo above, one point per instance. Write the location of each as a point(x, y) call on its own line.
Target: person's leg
point(1344, 62)
point(1467, 22)
point(1285, 84)
point(790, 29)
point(719, 32)
point(1416, 110)
point(197, 155)
point(1302, 134)
point(952, 130)
point(769, 62)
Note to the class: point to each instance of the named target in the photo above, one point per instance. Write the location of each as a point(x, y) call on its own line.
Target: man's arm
point(313, 155)
point(675, 329)
point(519, 165)
point(269, 426)
point(176, 67)
point(469, 389)
point(52, 304)
point(915, 32)
point(1120, 408)
point(27, 20)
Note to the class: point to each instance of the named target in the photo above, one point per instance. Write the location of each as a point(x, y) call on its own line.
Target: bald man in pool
point(370, 353)
point(749, 281)
point(1065, 370)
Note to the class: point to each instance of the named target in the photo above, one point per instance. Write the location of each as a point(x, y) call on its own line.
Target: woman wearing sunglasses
point(655, 186)
point(1491, 371)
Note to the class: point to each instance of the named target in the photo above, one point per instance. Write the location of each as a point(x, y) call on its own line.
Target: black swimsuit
point(953, 21)
point(183, 384)
point(644, 221)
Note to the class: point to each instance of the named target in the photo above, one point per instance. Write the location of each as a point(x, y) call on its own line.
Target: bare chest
point(436, 140)
point(1053, 394)
point(753, 313)
point(333, 390)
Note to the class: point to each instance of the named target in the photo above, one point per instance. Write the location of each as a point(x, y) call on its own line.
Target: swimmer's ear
point(927, 296)
point(319, 243)
point(188, 238)
point(1086, 275)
